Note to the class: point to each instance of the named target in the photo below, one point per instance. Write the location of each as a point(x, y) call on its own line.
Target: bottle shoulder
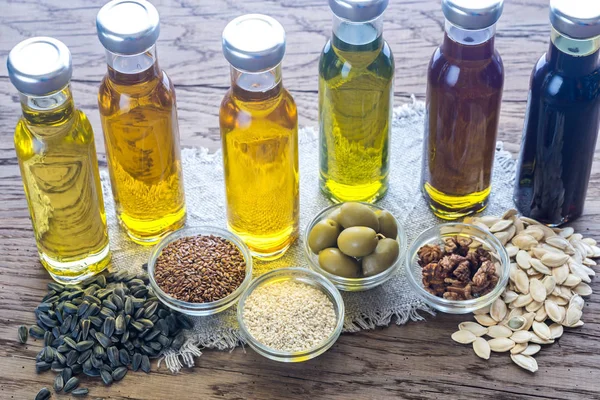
point(466, 73)
point(356, 59)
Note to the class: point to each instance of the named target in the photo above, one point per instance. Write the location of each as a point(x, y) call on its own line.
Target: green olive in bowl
point(357, 241)
point(384, 256)
point(335, 262)
point(323, 235)
point(357, 214)
point(387, 224)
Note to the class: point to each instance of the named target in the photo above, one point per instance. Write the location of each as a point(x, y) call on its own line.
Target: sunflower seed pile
point(101, 328)
point(549, 275)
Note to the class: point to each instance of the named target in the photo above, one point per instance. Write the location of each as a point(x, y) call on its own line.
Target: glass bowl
point(436, 235)
point(308, 277)
point(353, 284)
point(200, 309)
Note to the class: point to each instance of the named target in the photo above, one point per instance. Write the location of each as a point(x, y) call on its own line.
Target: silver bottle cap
point(39, 66)
point(576, 19)
point(254, 42)
point(473, 14)
point(128, 26)
point(358, 10)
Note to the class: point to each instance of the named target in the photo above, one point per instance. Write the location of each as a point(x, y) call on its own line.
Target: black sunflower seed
point(55, 286)
point(150, 309)
point(124, 357)
point(84, 345)
point(85, 328)
point(101, 281)
point(164, 340)
point(59, 316)
point(145, 365)
point(63, 348)
point(177, 342)
point(163, 326)
point(137, 326)
point(128, 307)
point(113, 355)
point(70, 308)
point(47, 321)
point(72, 357)
point(119, 373)
point(70, 342)
point(83, 307)
point(48, 338)
point(99, 351)
point(67, 373)
point(74, 322)
point(49, 354)
point(139, 313)
point(96, 362)
point(119, 324)
point(76, 369)
point(45, 306)
point(43, 394)
point(56, 366)
point(118, 302)
point(103, 339)
point(106, 377)
point(136, 361)
point(125, 337)
point(87, 365)
point(184, 322)
point(22, 334)
point(80, 392)
point(71, 384)
point(146, 322)
point(59, 383)
point(56, 332)
point(106, 312)
point(83, 357)
point(66, 325)
point(129, 346)
point(96, 321)
point(60, 358)
point(75, 293)
point(152, 335)
point(109, 326)
point(42, 366)
point(91, 371)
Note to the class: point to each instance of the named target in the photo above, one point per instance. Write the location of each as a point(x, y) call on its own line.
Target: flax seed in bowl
point(200, 270)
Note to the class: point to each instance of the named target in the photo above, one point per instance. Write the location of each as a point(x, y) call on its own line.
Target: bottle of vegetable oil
point(259, 134)
point(139, 118)
point(356, 76)
point(57, 156)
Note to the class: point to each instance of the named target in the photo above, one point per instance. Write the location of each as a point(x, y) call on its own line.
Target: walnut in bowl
point(457, 268)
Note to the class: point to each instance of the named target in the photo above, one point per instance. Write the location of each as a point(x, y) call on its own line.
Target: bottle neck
point(574, 56)
point(348, 33)
point(467, 44)
point(256, 86)
point(132, 69)
point(53, 110)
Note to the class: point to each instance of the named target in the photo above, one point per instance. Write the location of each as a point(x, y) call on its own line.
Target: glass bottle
point(563, 117)
point(57, 157)
point(138, 112)
point(464, 91)
point(259, 135)
point(356, 88)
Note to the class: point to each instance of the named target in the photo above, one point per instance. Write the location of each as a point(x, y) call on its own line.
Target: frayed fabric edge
point(230, 339)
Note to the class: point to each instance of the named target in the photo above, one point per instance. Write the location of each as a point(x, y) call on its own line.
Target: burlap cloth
point(393, 301)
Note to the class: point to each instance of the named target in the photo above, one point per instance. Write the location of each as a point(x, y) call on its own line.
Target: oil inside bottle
point(356, 74)
point(464, 92)
point(259, 133)
point(57, 157)
point(139, 118)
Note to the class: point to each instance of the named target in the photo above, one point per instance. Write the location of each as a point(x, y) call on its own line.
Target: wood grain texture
point(414, 361)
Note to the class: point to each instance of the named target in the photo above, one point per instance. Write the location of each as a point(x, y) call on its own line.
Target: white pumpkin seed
point(524, 241)
point(529, 318)
point(579, 271)
point(576, 324)
point(523, 258)
point(534, 306)
point(482, 348)
point(488, 220)
point(501, 345)
point(519, 348)
point(589, 241)
point(566, 232)
point(558, 242)
point(482, 310)
point(503, 237)
point(512, 250)
point(522, 300)
point(540, 267)
point(549, 283)
point(542, 330)
point(510, 296)
point(518, 224)
point(583, 289)
point(463, 337)
point(551, 259)
point(561, 301)
point(510, 213)
point(501, 225)
point(535, 231)
point(521, 336)
point(521, 282)
point(516, 323)
point(532, 348)
point(498, 310)
point(560, 274)
point(556, 331)
point(573, 315)
point(572, 281)
point(577, 302)
point(526, 362)
point(537, 291)
point(576, 237)
point(538, 340)
point(499, 331)
point(473, 327)
point(485, 320)
point(541, 315)
point(538, 252)
point(552, 310)
point(589, 262)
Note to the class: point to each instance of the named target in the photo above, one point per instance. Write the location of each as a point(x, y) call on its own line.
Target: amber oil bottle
point(259, 134)
point(57, 157)
point(139, 118)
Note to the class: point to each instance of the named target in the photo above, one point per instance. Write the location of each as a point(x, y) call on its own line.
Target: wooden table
point(414, 361)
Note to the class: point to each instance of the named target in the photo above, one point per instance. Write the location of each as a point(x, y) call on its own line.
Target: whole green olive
point(337, 263)
point(357, 214)
point(357, 241)
point(382, 258)
point(387, 224)
point(323, 235)
point(335, 214)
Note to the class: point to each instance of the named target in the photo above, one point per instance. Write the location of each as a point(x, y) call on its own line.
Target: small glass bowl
point(353, 284)
point(200, 309)
point(436, 235)
point(308, 277)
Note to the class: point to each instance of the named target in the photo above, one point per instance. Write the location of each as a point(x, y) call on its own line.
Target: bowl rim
point(316, 280)
point(364, 283)
point(474, 303)
point(200, 309)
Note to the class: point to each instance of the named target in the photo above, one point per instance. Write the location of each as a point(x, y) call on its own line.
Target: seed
point(36, 332)
point(146, 323)
point(524, 241)
point(500, 345)
point(109, 326)
point(119, 373)
point(572, 281)
point(119, 324)
point(516, 323)
point(499, 331)
point(519, 348)
point(106, 377)
point(59, 383)
point(542, 330)
point(484, 319)
point(128, 308)
point(43, 394)
point(540, 267)
point(537, 290)
point(549, 283)
point(136, 361)
point(521, 282)
point(525, 362)
point(83, 357)
point(541, 315)
point(70, 342)
point(145, 365)
point(534, 306)
point(103, 339)
point(521, 337)
point(552, 259)
point(113, 355)
point(84, 345)
point(85, 328)
point(22, 334)
point(150, 309)
point(577, 302)
point(501, 225)
point(582, 289)
point(573, 315)
point(523, 259)
point(67, 373)
point(124, 357)
point(83, 307)
point(556, 331)
point(498, 310)
point(481, 348)
point(522, 300)
point(71, 384)
point(80, 392)
point(41, 366)
point(70, 308)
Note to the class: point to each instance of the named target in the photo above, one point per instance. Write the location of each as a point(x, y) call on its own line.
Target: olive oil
point(355, 111)
point(259, 136)
point(139, 119)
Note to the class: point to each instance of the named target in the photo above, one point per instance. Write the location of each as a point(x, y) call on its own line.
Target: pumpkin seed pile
point(549, 274)
point(101, 328)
